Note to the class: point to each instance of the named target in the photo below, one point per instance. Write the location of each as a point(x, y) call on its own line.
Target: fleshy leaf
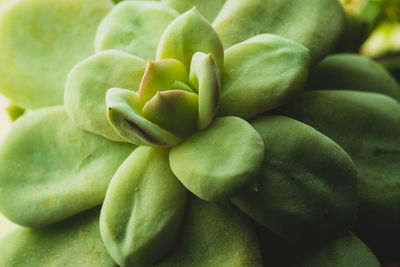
point(215, 235)
point(260, 74)
point(353, 72)
point(135, 27)
point(222, 160)
point(122, 114)
point(173, 110)
point(188, 34)
point(161, 75)
point(307, 189)
point(88, 82)
point(143, 209)
point(367, 126)
point(205, 78)
point(345, 250)
point(208, 8)
point(74, 242)
point(51, 170)
point(40, 42)
point(317, 24)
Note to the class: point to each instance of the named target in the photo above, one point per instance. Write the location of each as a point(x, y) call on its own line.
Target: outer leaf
point(208, 8)
point(173, 110)
point(161, 75)
point(317, 24)
point(353, 72)
point(367, 126)
point(51, 170)
point(123, 117)
point(40, 42)
point(135, 27)
point(143, 209)
point(345, 250)
point(307, 190)
point(214, 164)
point(205, 78)
point(75, 242)
point(188, 34)
point(88, 82)
point(260, 74)
point(215, 235)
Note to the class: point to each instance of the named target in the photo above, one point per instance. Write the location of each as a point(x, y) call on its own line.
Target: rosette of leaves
point(163, 126)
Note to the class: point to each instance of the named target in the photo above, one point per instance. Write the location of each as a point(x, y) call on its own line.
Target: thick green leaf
point(213, 236)
point(316, 24)
point(260, 74)
point(307, 188)
point(345, 250)
point(188, 34)
point(208, 8)
point(51, 170)
point(135, 27)
point(173, 110)
point(88, 82)
point(124, 117)
point(40, 42)
point(143, 209)
point(75, 242)
point(353, 72)
point(367, 126)
point(222, 160)
point(161, 75)
point(205, 78)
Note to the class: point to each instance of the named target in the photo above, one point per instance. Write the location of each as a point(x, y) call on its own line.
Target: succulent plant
point(174, 116)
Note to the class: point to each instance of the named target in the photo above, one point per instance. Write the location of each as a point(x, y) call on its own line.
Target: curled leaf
point(143, 209)
point(88, 82)
point(173, 110)
point(161, 75)
point(122, 114)
point(134, 27)
point(260, 74)
point(222, 160)
point(205, 78)
point(187, 34)
point(51, 170)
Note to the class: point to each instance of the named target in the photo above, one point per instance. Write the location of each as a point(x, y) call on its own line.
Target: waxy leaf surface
point(51, 170)
point(222, 160)
point(143, 209)
point(208, 8)
point(40, 42)
point(135, 27)
point(260, 74)
point(188, 34)
point(353, 72)
point(344, 250)
point(306, 189)
point(317, 24)
point(88, 82)
point(367, 126)
point(74, 242)
point(214, 235)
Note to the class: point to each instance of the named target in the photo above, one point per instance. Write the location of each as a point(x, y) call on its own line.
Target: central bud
point(171, 102)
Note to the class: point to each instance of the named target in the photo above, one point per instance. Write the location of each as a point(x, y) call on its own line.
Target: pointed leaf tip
point(123, 116)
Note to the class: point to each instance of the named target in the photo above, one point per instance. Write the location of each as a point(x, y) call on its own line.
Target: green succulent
point(163, 113)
